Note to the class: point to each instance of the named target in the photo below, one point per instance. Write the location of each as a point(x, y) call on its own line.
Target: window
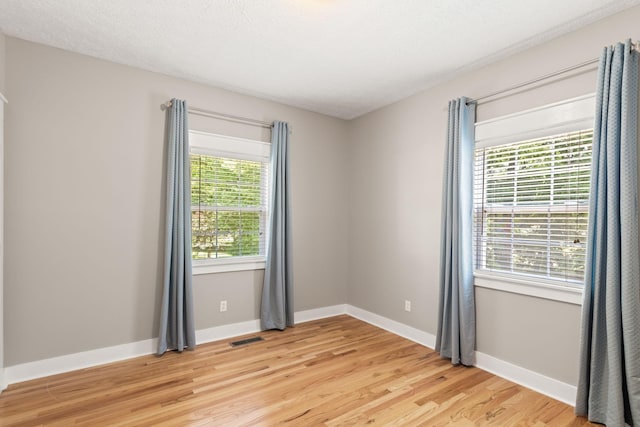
point(229, 181)
point(531, 190)
point(531, 203)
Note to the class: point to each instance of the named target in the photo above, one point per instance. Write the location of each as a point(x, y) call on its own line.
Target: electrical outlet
point(223, 305)
point(407, 305)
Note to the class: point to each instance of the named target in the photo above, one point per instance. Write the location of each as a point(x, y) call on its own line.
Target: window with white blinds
point(531, 205)
point(229, 186)
point(531, 193)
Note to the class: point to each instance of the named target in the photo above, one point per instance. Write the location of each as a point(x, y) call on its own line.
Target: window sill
point(568, 294)
point(227, 265)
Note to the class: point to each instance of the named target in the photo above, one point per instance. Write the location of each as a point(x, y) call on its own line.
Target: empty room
point(319, 212)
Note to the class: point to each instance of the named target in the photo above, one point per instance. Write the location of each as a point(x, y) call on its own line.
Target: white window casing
point(561, 117)
point(228, 146)
point(215, 158)
point(531, 199)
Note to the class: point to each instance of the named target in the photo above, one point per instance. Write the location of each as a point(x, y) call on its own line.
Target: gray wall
point(2, 66)
point(2, 61)
point(85, 191)
point(396, 158)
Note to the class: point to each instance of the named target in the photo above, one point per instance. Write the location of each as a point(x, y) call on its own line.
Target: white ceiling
point(343, 58)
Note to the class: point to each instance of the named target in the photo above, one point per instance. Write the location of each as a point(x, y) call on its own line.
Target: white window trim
point(561, 117)
point(534, 287)
point(222, 265)
point(228, 146)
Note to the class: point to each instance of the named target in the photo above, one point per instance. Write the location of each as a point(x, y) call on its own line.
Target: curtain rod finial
point(165, 105)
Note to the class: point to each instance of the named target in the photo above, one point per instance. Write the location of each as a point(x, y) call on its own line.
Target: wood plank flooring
point(330, 372)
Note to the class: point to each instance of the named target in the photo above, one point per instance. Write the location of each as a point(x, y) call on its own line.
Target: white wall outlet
point(223, 305)
point(407, 305)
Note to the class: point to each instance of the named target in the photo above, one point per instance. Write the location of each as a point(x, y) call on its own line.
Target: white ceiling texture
point(342, 58)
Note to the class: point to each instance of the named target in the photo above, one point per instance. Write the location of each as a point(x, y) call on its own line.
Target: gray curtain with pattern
point(609, 379)
point(456, 336)
point(177, 329)
point(277, 293)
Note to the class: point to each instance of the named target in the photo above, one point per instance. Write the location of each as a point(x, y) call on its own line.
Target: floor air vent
point(247, 341)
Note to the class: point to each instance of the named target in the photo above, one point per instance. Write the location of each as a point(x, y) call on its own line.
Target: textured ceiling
point(338, 57)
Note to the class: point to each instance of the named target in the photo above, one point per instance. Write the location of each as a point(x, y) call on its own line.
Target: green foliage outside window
point(227, 200)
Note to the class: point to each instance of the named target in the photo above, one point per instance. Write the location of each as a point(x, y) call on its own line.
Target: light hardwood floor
point(335, 372)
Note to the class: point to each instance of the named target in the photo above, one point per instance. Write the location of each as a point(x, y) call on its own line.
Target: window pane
point(529, 257)
point(568, 260)
point(530, 226)
point(228, 198)
point(499, 256)
point(530, 206)
point(203, 235)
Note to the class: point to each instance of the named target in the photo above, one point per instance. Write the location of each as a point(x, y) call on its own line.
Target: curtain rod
point(3, 99)
point(532, 81)
point(634, 46)
point(222, 116)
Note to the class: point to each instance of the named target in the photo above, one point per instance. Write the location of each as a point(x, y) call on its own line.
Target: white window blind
point(531, 207)
point(229, 196)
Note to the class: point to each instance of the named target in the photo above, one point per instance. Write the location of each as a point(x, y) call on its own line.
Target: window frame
point(216, 145)
point(566, 116)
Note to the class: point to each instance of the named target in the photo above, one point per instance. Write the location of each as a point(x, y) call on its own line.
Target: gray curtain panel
point(456, 335)
point(177, 330)
point(277, 293)
point(609, 379)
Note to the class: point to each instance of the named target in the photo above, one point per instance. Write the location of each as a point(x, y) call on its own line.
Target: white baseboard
point(70, 362)
point(535, 381)
point(86, 359)
point(405, 331)
point(320, 313)
point(227, 331)
point(548, 386)
point(217, 333)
